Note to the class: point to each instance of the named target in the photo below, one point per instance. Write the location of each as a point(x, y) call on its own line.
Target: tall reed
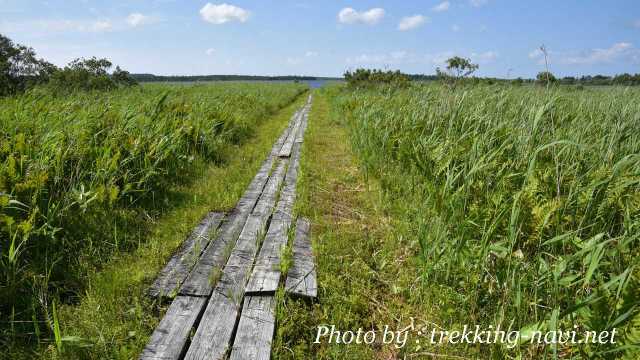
point(524, 202)
point(76, 168)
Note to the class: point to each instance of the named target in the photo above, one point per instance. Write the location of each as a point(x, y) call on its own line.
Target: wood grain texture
point(301, 279)
point(198, 283)
point(214, 334)
point(169, 340)
point(285, 151)
point(211, 340)
point(255, 329)
point(266, 271)
point(214, 309)
point(181, 263)
point(266, 274)
point(305, 120)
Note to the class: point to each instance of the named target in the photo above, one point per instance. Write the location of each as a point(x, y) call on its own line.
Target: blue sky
point(328, 37)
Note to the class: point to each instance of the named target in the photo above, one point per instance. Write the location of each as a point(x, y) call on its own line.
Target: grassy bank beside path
point(366, 271)
point(114, 319)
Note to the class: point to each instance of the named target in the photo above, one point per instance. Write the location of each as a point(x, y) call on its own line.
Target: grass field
point(490, 205)
point(522, 204)
point(85, 178)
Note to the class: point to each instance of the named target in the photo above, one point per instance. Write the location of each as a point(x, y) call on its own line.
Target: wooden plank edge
point(162, 286)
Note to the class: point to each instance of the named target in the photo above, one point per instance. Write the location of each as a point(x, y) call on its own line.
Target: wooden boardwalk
point(224, 276)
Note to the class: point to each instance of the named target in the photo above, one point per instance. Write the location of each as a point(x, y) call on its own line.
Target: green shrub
point(364, 78)
point(89, 74)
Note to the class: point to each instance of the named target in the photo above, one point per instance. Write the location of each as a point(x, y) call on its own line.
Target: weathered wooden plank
point(305, 121)
point(211, 340)
point(199, 283)
point(213, 336)
point(169, 340)
point(178, 267)
point(285, 151)
point(255, 329)
point(301, 279)
point(241, 232)
point(265, 276)
point(288, 193)
point(266, 273)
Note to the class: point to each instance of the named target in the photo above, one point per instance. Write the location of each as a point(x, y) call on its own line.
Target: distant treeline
point(194, 78)
point(622, 79)
point(595, 80)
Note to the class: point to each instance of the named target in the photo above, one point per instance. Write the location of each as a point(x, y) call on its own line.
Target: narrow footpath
point(223, 279)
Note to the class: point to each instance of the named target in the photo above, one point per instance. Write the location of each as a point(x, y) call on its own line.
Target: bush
point(362, 78)
point(545, 77)
point(89, 74)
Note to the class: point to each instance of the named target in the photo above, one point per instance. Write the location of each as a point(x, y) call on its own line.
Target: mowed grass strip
point(366, 273)
point(114, 318)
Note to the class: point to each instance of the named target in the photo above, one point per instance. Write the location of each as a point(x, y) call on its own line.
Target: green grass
point(522, 204)
point(198, 148)
point(366, 271)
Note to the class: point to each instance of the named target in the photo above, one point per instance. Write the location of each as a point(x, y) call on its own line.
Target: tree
point(457, 69)
point(461, 67)
point(545, 77)
point(122, 77)
point(90, 74)
point(20, 70)
point(19, 67)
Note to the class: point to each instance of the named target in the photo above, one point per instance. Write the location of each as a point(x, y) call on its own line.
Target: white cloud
point(47, 27)
point(395, 57)
point(210, 51)
point(223, 13)
point(598, 56)
point(485, 57)
point(412, 22)
point(137, 19)
point(439, 59)
point(57, 26)
point(535, 54)
point(443, 6)
point(622, 51)
point(369, 17)
point(294, 61)
point(100, 26)
point(478, 3)
point(297, 60)
point(455, 28)
point(399, 55)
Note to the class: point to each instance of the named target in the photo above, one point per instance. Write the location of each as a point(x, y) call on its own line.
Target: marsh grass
point(522, 200)
point(85, 177)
